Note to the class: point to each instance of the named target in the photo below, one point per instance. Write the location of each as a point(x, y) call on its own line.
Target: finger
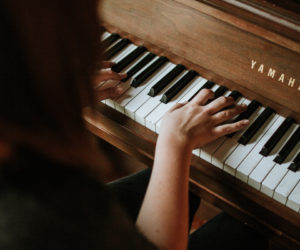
point(219, 104)
point(108, 74)
point(108, 84)
point(202, 97)
point(227, 114)
point(110, 93)
point(229, 128)
point(107, 64)
point(177, 106)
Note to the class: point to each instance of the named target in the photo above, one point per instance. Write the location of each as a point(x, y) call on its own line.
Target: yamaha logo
point(272, 73)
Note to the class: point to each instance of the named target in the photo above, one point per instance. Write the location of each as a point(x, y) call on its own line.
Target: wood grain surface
point(217, 46)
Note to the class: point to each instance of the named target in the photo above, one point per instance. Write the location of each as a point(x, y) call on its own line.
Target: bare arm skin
point(163, 217)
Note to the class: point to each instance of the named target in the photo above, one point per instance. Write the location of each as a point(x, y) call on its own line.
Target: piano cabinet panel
point(280, 223)
point(221, 48)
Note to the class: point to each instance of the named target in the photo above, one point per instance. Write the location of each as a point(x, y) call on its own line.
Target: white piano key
point(152, 102)
point(241, 152)
point(157, 126)
point(162, 108)
point(143, 96)
point(273, 178)
point(105, 35)
point(293, 201)
point(266, 164)
point(221, 154)
point(215, 87)
point(251, 161)
point(196, 152)
point(131, 92)
point(208, 150)
point(286, 186)
point(279, 170)
point(139, 94)
point(201, 82)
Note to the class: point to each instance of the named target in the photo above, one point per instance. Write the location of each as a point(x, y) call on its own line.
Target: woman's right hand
point(196, 123)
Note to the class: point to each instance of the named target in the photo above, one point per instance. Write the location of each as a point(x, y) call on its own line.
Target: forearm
point(163, 217)
point(164, 214)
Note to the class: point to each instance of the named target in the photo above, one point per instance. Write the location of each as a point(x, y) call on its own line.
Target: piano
point(248, 49)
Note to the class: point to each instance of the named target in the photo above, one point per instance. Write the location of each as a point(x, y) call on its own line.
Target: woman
point(48, 198)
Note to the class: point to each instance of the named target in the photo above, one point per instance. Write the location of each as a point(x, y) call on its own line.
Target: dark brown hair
point(49, 52)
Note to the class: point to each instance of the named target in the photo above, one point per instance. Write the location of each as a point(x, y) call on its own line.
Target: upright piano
point(249, 49)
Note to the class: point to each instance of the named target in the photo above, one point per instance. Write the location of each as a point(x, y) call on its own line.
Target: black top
point(45, 205)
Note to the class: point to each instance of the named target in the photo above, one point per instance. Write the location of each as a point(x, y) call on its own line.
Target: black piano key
point(245, 115)
point(179, 85)
point(255, 126)
point(128, 59)
point(219, 92)
point(143, 76)
point(115, 49)
point(110, 40)
point(156, 88)
point(138, 66)
point(288, 147)
point(270, 144)
point(295, 165)
point(207, 85)
point(235, 94)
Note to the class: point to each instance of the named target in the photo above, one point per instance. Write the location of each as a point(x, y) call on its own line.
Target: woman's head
point(49, 51)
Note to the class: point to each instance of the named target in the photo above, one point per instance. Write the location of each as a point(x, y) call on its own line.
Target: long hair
point(49, 52)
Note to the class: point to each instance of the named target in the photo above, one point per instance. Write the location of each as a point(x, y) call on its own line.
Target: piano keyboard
point(265, 155)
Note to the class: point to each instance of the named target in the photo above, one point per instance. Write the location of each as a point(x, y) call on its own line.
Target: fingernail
point(245, 122)
point(119, 90)
point(109, 71)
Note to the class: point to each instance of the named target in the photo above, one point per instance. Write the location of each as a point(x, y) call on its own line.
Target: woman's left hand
point(106, 82)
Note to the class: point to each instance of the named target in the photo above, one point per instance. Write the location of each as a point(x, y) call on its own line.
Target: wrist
point(175, 142)
point(175, 156)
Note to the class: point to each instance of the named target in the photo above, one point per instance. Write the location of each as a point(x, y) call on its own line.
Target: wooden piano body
point(251, 46)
